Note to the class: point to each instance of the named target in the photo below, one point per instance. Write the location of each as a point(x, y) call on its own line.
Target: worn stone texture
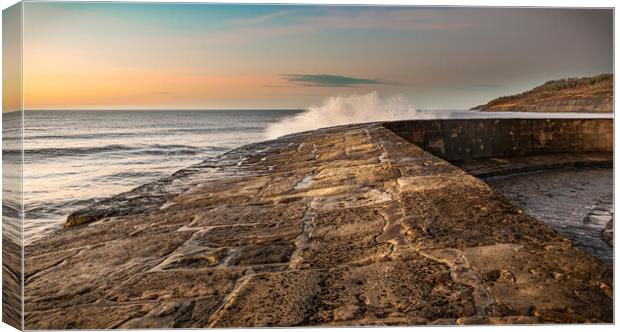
point(350, 225)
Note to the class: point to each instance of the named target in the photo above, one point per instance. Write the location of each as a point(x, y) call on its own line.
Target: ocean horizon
point(73, 159)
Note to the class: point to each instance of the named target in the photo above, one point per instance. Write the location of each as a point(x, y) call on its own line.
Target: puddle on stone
point(577, 203)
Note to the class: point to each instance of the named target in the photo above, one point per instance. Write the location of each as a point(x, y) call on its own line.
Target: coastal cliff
point(588, 94)
point(350, 225)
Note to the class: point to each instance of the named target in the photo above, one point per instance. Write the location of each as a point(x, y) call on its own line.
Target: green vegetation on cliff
point(587, 94)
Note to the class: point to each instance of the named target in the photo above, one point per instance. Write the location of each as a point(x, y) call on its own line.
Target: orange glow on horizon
point(115, 88)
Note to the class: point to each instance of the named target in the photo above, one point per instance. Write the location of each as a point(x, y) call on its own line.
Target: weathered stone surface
point(11, 278)
point(94, 316)
point(350, 225)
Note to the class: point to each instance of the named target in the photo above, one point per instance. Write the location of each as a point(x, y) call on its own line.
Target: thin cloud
point(289, 22)
point(259, 19)
point(327, 80)
point(406, 20)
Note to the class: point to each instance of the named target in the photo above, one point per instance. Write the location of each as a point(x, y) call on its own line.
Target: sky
point(208, 56)
point(11, 59)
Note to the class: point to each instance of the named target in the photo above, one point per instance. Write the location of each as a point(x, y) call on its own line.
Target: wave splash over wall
point(344, 110)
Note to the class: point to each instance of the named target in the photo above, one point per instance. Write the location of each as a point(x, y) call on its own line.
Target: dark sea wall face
point(12, 208)
point(485, 138)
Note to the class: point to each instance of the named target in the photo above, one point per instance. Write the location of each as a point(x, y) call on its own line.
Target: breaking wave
point(344, 110)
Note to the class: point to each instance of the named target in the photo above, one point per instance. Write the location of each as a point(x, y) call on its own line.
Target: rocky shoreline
point(351, 225)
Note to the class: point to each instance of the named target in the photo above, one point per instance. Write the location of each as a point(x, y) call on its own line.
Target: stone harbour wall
point(350, 225)
point(483, 138)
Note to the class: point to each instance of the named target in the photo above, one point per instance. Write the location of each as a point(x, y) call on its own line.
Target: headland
point(585, 94)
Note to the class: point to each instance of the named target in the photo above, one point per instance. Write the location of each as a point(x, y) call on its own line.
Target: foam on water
point(344, 110)
point(371, 107)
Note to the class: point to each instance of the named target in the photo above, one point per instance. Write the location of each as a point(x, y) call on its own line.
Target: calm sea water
point(74, 158)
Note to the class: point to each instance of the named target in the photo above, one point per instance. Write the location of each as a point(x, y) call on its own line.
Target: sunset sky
point(202, 56)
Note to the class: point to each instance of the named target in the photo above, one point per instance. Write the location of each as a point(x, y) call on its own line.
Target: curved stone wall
point(455, 140)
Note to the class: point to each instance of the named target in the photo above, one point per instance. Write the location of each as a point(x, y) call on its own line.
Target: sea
point(73, 159)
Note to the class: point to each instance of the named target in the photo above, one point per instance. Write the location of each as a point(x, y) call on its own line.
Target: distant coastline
point(583, 95)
